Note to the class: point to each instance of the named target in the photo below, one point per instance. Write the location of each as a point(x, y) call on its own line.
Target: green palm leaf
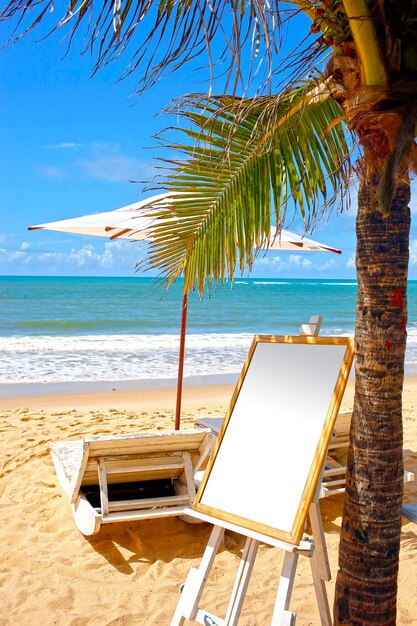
point(160, 36)
point(246, 162)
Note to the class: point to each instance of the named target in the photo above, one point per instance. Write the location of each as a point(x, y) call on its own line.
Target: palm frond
point(247, 162)
point(162, 36)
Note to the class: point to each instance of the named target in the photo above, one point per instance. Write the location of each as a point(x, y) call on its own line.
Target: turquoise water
point(96, 329)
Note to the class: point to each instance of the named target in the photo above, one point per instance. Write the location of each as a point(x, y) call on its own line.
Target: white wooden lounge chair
point(130, 477)
point(334, 475)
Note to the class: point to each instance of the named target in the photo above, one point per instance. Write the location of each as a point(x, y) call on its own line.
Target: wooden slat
point(125, 516)
point(334, 471)
point(146, 442)
point(162, 457)
point(146, 503)
point(104, 495)
point(204, 450)
point(134, 468)
point(342, 424)
point(150, 473)
point(338, 443)
point(189, 477)
point(171, 468)
point(77, 479)
point(334, 483)
point(332, 463)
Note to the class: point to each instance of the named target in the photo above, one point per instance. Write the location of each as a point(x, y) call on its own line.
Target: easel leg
point(282, 616)
point(241, 582)
point(194, 585)
point(321, 594)
point(320, 547)
point(320, 567)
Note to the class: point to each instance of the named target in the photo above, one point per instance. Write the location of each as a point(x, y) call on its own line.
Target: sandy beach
point(129, 573)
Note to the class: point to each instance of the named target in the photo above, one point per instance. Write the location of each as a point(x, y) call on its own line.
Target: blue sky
point(70, 144)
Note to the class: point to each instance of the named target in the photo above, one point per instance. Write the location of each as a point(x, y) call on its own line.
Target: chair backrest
point(139, 447)
point(313, 327)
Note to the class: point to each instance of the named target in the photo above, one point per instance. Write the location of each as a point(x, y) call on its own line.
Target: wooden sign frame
point(286, 400)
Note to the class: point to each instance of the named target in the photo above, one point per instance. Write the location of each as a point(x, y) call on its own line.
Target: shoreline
point(141, 395)
point(139, 398)
point(70, 388)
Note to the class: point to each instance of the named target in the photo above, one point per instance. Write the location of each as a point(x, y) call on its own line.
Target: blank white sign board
point(264, 470)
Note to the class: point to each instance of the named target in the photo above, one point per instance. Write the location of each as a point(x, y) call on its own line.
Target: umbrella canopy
point(129, 222)
point(285, 240)
point(132, 222)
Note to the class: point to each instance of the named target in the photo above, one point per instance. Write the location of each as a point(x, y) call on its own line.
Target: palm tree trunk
point(366, 583)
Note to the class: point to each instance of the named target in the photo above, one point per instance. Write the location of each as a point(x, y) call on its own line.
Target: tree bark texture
point(366, 584)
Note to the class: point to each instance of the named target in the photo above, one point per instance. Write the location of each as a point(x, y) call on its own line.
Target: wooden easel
point(188, 605)
point(236, 495)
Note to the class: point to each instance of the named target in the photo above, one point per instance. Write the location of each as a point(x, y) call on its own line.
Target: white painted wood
point(321, 593)
point(87, 520)
point(140, 443)
point(146, 503)
point(205, 450)
point(281, 615)
point(334, 471)
point(133, 466)
point(144, 514)
point(104, 494)
point(320, 553)
point(214, 423)
point(77, 479)
point(189, 476)
point(304, 547)
point(287, 391)
point(126, 458)
point(287, 618)
point(208, 619)
point(313, 327)
point(325, 493)
point(242, 579)
point(67, 457)
point(187, 606)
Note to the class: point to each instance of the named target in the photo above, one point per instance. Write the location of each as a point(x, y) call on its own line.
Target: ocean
point(103, 330)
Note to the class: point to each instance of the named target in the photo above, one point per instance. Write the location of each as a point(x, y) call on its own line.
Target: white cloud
point(51, 171)
point(115, 168)
point(64, 145)
point(295, 264)
point(299, 260)
point(273, 262)
point(86, 255)
point(351, 262)
point(115, 256)
point(328, 265)
point(18, 257)
point(98, 161)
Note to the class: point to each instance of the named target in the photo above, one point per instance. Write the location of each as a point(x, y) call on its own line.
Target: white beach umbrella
point(131, 222)
point(103, 224)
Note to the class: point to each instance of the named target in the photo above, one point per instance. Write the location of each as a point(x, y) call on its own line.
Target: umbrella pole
point(181, 361)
